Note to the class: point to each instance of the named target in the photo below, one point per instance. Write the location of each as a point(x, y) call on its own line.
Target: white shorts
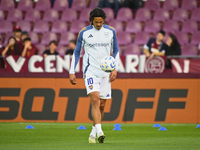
point(100, 84)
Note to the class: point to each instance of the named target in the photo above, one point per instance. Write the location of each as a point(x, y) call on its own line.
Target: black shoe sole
point(101, 139)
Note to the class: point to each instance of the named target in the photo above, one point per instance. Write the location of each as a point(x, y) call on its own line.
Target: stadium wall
point(135, 100)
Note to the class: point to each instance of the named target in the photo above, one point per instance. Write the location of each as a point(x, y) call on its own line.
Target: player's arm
point(75, 58)
point(113, 74)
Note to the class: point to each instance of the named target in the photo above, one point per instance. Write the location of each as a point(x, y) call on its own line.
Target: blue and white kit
point(97, 44)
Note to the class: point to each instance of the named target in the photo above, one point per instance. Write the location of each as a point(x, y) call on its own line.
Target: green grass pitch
point(65, 136)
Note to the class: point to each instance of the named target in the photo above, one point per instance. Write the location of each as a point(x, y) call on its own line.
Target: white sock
point(98, 128)
point(94, 131)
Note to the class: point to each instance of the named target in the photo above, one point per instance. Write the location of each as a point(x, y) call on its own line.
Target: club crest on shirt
point(106, 34)
point(90, 87)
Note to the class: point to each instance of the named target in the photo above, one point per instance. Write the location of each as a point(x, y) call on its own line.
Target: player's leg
point(92, 136)
point(95, 101)
point(92, 86)
point(96, 115)
point(102, 106)
point(105, 92)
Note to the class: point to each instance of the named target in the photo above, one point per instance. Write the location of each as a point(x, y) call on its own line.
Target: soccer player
point(99, 40)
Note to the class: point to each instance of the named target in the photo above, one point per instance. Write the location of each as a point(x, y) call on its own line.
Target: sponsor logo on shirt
point(98, 45)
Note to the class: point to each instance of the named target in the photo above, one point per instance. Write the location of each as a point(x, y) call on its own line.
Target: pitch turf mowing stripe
point(64, 136)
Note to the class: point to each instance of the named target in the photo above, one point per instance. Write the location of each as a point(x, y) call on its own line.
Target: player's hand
point(113, 75)
point(72, 79)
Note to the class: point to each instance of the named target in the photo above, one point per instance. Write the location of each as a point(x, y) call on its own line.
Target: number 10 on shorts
point(90, 81)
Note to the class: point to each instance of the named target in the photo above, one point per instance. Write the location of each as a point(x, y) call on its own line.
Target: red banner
point(52, 63)
point(185, 65)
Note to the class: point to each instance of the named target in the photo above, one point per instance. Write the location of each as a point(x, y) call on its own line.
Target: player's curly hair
point(97, 12)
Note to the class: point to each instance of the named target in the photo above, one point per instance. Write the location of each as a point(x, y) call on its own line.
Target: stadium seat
point(195, 38)
point(195, 14)
point(59, 26)
point(43, 5)
point(14, 15)
point(47, 37)
point(94, 3)
point(25, 5)
point(189, 4)
point(132, 49)
point(152, 26)
point(161, 15)
point(50, 15)
point(143, 14)
point(141, 38)
point(8, 35)
point(84, 14)
point(6, 26)
point(180, 14)
point(2, 17)
point(171, 4)
point(24, 25)
point(189, 50)
point(61, 50)
point(133, 26)
point(78, 5)
point(66, 37)
point(109, 13)
point(41, 26)
point(124, 38)
point(171, 26)
point(61, 5)
point(34, 37)
point(182, 37)
point(190, 26)
point(69, 15)
point(7, 5)
point(117, 25)
point(41, 48)
point(124, 14)
point(77, 25)
point(32, 15)
point(152, 4)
